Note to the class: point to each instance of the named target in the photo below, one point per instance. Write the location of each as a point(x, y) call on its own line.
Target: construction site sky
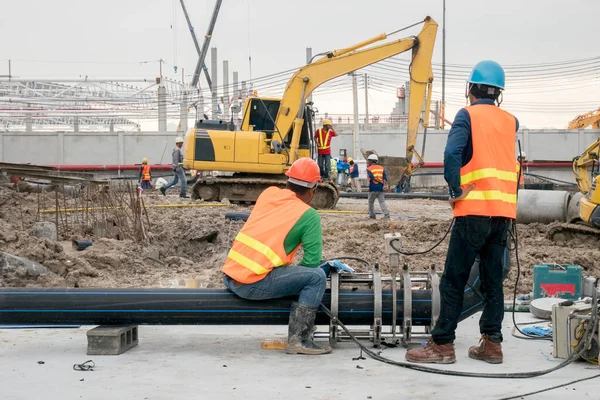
point(548, 47)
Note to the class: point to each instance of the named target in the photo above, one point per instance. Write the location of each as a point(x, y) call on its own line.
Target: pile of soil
point(192, 243)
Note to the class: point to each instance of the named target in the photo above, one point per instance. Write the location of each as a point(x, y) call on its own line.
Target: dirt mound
point(192, 243)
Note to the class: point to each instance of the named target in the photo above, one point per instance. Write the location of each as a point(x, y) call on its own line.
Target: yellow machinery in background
point(591, 118)
point(586, 170)
point(276, 132)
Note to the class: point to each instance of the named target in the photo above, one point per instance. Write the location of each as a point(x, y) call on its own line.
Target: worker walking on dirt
point(479, 166)
point(323, 138)
point(259, 264)
point(178, 170)
point(354, 174)
point(145, 177)
point(377, 182)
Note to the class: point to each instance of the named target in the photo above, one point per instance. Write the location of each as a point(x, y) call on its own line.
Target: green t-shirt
point(307, 231)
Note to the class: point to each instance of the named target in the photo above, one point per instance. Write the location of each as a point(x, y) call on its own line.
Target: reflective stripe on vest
point(324, 145)
point(145, 172)
point(259, 247)
point(492, 166)
point(377, 171)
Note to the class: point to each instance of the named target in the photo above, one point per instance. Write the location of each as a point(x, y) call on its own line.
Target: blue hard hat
point(488, 73)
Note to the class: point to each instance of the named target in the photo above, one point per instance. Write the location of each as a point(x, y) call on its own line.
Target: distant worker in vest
point(323, 138)
point(521, 161)
point(479, 167)
point(333, 170)
point(178, 170)
point(354, 174)
point(145, 176)
point(377, 183)
point(259, 264)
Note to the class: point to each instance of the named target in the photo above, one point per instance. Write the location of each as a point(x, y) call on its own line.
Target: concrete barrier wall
point(130, 147)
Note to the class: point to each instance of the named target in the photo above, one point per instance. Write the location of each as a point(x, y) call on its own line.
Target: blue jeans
point(179, 176)
point(291, 280)
point(324, 161)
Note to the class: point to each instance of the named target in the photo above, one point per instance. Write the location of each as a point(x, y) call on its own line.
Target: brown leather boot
point(487, 351)
point(432, 354)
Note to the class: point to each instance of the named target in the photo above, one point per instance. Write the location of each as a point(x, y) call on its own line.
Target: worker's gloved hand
point(337, 265)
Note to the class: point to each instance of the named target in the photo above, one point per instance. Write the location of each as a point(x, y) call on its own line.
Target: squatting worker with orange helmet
point(479, 166)
point(259, 264)
point(323, 138)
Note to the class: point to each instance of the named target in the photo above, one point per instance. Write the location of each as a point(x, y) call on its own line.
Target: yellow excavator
point(582, 121)
point(588, 181)
point(276, 132)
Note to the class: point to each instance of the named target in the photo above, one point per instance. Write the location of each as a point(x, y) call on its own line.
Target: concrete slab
point(226, 362)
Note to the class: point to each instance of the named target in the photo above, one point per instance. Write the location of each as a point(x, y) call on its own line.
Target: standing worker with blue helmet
point(479, 167)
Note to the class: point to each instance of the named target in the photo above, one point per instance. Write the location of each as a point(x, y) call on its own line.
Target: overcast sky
point(109, 38)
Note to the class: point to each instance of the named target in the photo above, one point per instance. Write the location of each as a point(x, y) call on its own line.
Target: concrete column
point(236, 90)
point(183, 112)
point(76, 123)
point(407, 97)
point(308, 58)
point(162, 109)
point(111, 126)
point(226, 90)
point(366, 101)
point(356, 129)
point(28, 121)
point(213, 75)
point(244, 92)
point(1, 146)
point(121, 148)
point(61, 148)
point(201, 107)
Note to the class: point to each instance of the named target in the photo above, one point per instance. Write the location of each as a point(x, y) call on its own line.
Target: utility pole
point(443, 110)
point(356, 135)
point(366, 101)
point(213, 89)
point(308, 58)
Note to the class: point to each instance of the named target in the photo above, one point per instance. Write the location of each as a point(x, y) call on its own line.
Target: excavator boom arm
point(581, 163)
point(341, 62)
point(591, 118)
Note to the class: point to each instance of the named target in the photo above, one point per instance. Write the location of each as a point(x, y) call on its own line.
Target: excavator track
point(565, 231)
point(246, 189)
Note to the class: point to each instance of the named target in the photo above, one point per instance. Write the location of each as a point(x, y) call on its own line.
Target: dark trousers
point(324, 161)
point(472, 236)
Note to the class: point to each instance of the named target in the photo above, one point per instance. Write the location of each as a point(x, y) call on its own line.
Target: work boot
point(163, 191)
point(386, 217)
point(432, 353)
point(184, 196)
point(487, 351)
point(302, 321)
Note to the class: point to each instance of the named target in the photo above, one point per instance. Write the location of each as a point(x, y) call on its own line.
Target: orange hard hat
point(304, 172)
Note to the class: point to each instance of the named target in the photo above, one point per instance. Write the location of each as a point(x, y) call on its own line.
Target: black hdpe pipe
point(389, 195)
point(21, 306)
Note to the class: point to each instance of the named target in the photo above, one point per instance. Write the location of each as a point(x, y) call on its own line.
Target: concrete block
point(112, 340)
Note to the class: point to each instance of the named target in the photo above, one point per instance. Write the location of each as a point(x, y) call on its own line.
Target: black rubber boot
point(302, 320)
point(163, 191)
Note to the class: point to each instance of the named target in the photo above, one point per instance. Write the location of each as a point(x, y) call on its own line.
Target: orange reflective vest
point(145, 172)
point(492, 167)
point(324, 140)
point(259, 248)
point(377, 171)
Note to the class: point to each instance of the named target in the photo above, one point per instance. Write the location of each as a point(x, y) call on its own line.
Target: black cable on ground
point(439, 371)
point(414, 253)
point(520, 396)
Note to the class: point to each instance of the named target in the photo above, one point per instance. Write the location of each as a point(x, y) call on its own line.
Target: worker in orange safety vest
point(479, 166)
point(145, 176)
point(259, 264)
point(323, 138)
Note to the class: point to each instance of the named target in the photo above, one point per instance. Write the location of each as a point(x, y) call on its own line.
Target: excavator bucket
point(394, 166)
